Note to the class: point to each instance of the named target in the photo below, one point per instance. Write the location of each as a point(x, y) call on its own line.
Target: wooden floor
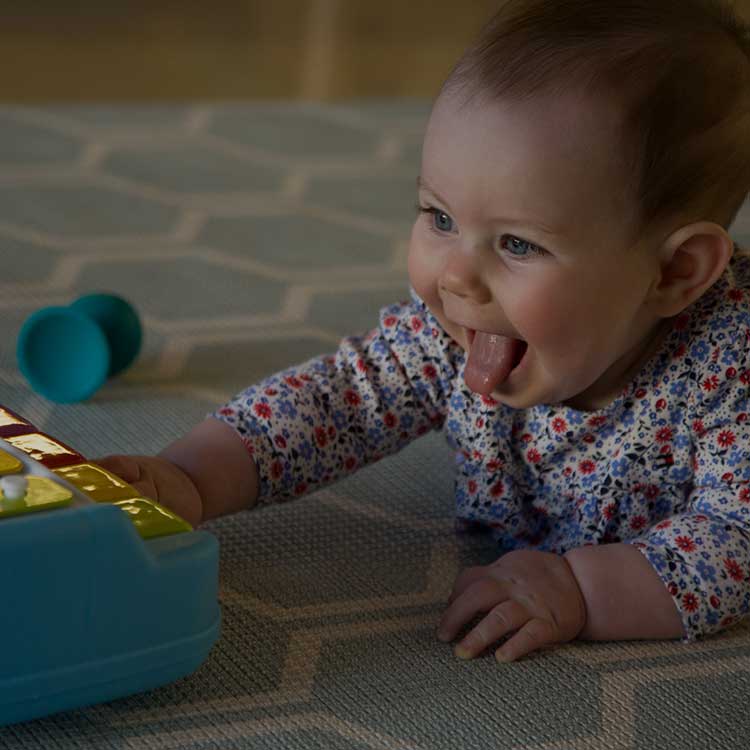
point(186, 49)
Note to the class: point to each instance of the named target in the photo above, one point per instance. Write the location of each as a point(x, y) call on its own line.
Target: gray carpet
point(250, 237)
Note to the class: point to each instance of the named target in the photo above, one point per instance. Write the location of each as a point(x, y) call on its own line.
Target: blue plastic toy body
point(100, 597)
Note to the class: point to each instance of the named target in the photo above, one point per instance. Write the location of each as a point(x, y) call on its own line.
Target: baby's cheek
point(423, 272)
point(549, 320)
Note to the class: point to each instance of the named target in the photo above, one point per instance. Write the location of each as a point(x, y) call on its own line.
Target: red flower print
point(640, 393)
point(744, 495)
point(588, 438)
point(389, 321)
point(745, 377)
point(226, 411)
point(494, 464)
point(733, 569)
point(587, 467)
point(672, 588)
point(741, 417)
point(280, 441)
point(270, 392)
point(725, 438)
point(526, 437)
point(479, 423)
point(680, 351)
point(727, 621)
point(477, 455)
point(596, 421)
point(711, 383)
point(301, 488)
point(389, 419)
point(664, 435)
point(489, 401)
point(637, 522)
point(727, 477)
point(262, 410)
point(698, 427)
point(248, 446)
point(682, 321)
point(665, 524)
point(430, 372)
point(651, 492)
point(320, 436)
point(559, 424)
point(609, 511)
point(715, 601)
point(661, 404)
point(497, 489)
point(416, 324)
point(277, 469)
point(352, 397)
point(293, 381)
point(472, 486)
point(567, 471)
point(715, 354)
point(533, 455)
point(735, 294)
point(685, 543)
point(307, 378)
point(731, 372)
point(350, 463)
point(690, 602)
point(361, 365)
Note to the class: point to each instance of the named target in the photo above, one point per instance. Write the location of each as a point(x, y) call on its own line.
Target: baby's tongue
point(491, 358)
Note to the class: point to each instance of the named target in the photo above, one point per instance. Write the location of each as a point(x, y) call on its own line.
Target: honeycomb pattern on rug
point(250, 237)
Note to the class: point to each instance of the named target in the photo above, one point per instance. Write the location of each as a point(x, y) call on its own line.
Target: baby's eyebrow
point(523, 223)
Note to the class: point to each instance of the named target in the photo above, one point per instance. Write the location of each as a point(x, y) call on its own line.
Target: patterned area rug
point(248, 238)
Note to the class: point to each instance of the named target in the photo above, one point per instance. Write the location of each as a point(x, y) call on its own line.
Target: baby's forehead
point(562, 118)
point(558, 156)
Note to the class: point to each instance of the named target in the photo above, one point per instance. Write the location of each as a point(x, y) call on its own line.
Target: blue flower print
point(700, 351)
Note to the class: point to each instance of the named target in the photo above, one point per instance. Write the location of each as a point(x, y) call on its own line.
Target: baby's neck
point(604, 391)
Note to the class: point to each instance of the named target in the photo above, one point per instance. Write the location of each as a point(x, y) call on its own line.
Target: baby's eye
point(440, 220)
point(519, 248)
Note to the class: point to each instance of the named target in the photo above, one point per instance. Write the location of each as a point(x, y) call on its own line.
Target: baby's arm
point(205, 474)
point(625, 597)
point(541, 598)
point(308, 425)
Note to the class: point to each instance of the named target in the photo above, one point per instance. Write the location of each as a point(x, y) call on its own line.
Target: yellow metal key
point(9, 464)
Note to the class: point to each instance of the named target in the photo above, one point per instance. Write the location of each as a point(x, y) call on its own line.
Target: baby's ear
point(691, 259)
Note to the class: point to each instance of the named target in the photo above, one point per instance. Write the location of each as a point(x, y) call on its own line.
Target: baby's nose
point(462, 276)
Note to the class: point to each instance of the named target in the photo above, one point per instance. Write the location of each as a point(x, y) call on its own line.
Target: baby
point(579, 328)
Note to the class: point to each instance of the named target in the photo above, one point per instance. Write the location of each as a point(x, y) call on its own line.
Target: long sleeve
point(702, 554)
point(312, 424)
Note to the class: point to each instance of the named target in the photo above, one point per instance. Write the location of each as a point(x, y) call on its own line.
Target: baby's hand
point(531, 592)
point(160, 480)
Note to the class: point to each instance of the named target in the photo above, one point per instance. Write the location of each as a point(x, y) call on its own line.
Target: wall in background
point(186, 49)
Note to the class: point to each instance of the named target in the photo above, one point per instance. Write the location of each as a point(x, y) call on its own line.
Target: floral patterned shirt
point(665, 467)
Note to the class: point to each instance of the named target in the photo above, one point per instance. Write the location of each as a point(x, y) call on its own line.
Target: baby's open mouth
point(491, 359)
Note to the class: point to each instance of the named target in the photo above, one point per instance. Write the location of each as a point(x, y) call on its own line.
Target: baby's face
point(525, 233)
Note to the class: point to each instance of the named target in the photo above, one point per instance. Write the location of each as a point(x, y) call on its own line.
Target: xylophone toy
point(104, 592)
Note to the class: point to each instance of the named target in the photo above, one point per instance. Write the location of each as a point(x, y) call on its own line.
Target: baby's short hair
point(678, 69)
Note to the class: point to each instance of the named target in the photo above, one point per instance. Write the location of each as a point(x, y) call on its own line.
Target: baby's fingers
point(533, 635)
point(124, 467)
point(129, 470)
point(467, 577)
point(499, 621)
point(480, 596)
